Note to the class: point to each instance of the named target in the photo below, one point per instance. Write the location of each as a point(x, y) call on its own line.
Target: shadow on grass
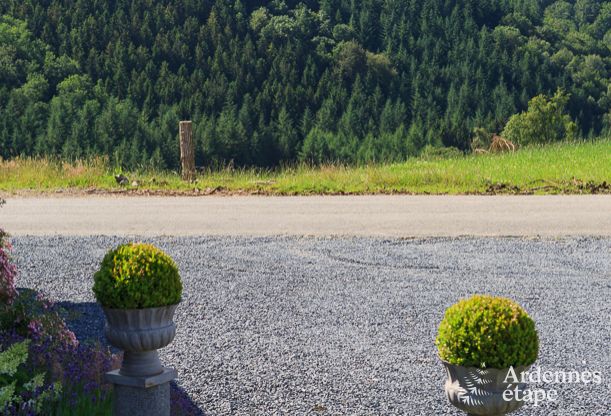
point(86, 320)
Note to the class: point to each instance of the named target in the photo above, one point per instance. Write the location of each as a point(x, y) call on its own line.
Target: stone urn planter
point(140, 333)
point(480, 391)
point(480, 340)
point(139, 288)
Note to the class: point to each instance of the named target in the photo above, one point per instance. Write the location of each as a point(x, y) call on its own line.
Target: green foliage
point(435, 153)
point(486, 331)
point(343, 33)
point(80, 402)
point(12, 358)
point(112, 79)
point(17, 382)
point(137, 276)
point(544, 122)
point(351, 59)
point(315, 148)
point(20, 53)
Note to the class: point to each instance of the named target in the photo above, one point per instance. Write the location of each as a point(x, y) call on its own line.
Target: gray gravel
point(346, 326)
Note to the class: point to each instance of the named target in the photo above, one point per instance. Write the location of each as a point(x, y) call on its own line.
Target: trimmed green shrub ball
point(137, 276)
point(486, 331)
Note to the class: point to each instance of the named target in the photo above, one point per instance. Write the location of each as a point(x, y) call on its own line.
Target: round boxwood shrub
point(137, 276)
point(486, 331)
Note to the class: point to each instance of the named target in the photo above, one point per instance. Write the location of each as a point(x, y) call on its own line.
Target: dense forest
point(274, 82)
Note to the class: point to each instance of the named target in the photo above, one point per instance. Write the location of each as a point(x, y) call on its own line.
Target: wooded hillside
point(269, 82)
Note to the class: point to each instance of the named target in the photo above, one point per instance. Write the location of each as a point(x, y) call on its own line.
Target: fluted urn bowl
point(140, 332)
point(480, 391)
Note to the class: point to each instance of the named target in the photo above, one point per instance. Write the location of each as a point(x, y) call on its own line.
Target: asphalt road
point(346, 326)
point(390, 216)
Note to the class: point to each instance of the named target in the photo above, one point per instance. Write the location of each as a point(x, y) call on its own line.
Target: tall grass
point(562, 167)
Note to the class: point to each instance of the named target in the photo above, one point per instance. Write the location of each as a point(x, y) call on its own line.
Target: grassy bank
point(561, 168)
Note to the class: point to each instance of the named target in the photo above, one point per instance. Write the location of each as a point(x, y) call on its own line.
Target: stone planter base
point(141, 396)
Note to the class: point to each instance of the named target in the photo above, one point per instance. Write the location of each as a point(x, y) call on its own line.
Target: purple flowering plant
point(68, 374)
point(53, 349)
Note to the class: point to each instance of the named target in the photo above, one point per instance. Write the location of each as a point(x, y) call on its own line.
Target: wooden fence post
point(187, 150)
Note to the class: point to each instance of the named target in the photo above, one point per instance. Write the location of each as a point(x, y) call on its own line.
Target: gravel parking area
point(329, 326)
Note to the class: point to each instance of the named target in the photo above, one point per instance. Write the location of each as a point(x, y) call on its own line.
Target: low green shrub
point(137, 276)
point(486, 331)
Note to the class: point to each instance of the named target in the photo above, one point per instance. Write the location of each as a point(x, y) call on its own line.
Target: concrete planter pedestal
point(141, 396)
point(142, 384)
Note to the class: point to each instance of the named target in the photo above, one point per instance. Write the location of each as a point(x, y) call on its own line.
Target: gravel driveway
point(328, 326)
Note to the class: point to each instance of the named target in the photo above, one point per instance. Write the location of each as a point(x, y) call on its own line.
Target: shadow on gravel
point(86, 320)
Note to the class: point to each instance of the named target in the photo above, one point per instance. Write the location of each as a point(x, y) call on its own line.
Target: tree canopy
point(271, 82)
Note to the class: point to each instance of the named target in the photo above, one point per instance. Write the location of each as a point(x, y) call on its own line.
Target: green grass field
point(583, 167)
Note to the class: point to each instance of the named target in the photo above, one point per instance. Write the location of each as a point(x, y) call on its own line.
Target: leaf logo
point(473, 393)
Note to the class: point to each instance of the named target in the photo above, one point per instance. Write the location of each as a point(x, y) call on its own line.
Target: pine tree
point(286, 135)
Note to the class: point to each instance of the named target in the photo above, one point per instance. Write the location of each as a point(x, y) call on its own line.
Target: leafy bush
point(487, 331)
point(137, 276)
point(544, 122)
